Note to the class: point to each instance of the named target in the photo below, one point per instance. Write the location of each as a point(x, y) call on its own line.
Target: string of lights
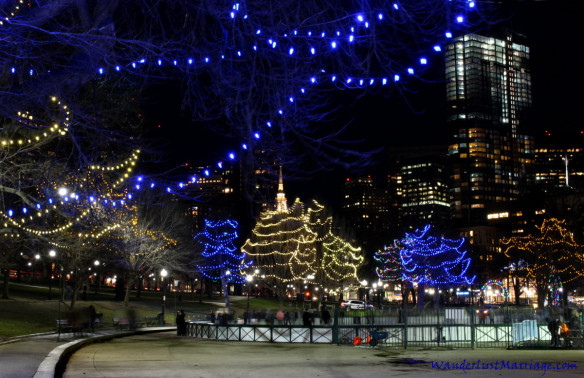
point(434, 261)
point(297, 245)
point(551, 252)
point(222, 260)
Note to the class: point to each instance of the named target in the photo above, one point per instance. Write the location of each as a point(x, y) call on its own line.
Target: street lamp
point(163, 274)
point(96, 264)
point(52, 255)
point(249, 279)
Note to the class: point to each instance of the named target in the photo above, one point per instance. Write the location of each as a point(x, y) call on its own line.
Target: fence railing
point(463, 327)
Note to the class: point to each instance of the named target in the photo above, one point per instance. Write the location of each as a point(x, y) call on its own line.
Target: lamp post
point(52, 255)
point(96, 275)
point(163, 274)
point(249, 279)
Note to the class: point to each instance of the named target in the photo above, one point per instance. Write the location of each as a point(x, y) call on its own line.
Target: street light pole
point(52, 255)
point(249, 279)
point(163, 274)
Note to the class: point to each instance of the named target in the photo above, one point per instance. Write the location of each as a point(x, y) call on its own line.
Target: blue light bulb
point(437, 48)
point(291, 51)
point(312, 50)
point(334, 44)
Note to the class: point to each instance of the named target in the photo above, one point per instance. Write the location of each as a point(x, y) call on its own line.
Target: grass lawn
point(28, 310)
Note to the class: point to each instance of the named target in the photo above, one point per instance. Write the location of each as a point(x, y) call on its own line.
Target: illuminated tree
point(551, 255)
point(339, 261)
point(390, 269)
point(153, 235)
point(296, 245)
point(434, 261)
point(221, 258)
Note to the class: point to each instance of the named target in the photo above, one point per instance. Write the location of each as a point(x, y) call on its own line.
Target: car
point(354, 304)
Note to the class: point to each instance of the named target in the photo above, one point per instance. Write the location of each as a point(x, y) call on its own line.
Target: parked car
point(354, 304)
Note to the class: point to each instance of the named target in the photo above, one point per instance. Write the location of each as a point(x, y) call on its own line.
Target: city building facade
point(488, 90)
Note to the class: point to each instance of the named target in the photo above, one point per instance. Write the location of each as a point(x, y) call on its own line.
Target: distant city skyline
point(549, 30)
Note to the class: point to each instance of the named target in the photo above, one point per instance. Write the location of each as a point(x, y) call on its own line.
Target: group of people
point(560, 330)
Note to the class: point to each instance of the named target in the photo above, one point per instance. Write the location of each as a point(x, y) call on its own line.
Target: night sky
point(554, 31)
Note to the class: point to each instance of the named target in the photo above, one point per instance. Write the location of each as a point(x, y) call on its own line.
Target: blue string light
point(223, 261)
point(433, 261)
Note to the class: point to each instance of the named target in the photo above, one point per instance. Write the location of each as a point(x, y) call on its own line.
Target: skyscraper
point(488, 89)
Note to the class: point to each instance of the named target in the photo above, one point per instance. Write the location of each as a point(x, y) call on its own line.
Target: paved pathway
point(165, 355)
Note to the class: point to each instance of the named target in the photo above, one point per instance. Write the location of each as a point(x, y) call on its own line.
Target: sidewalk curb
point(56, 361)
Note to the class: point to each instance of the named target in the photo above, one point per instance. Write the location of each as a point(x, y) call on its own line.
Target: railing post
point(472, 328)
point(438, 326)
point(405, 321)
point(336, 326)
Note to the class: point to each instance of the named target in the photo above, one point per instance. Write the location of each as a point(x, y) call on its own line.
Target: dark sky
point(553, 30)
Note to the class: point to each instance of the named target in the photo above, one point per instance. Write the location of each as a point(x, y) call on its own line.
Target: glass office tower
point(488, 89)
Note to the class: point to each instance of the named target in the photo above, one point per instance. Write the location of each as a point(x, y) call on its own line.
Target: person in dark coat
point(325, 315)
point(181, 324)
point(553, 326)
point(307, 319)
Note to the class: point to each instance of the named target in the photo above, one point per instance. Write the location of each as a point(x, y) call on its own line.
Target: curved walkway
point(164, 354)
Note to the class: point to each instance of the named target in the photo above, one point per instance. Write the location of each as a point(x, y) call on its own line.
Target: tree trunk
point(541, 295)
point(225, 293)
point(436, 297)
point(139, 288)
point(420, 296)
point(6, 280)
point(76, 287)
point(517, 289)
point(127, 293)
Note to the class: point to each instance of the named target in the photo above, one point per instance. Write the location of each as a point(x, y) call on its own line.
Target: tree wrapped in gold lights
point(297, 245)
point(552, 254)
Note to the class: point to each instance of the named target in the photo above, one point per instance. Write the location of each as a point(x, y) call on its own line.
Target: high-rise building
point(423, 192)
point(211, 194)
point(560, 165)
point(419, 186)
point(488, 90)
point(366, 206)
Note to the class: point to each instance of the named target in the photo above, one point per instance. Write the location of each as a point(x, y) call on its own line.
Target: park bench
point(63, 325)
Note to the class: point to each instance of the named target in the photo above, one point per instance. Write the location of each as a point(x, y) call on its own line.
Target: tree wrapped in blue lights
point(222, 260)
point(434, 261)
